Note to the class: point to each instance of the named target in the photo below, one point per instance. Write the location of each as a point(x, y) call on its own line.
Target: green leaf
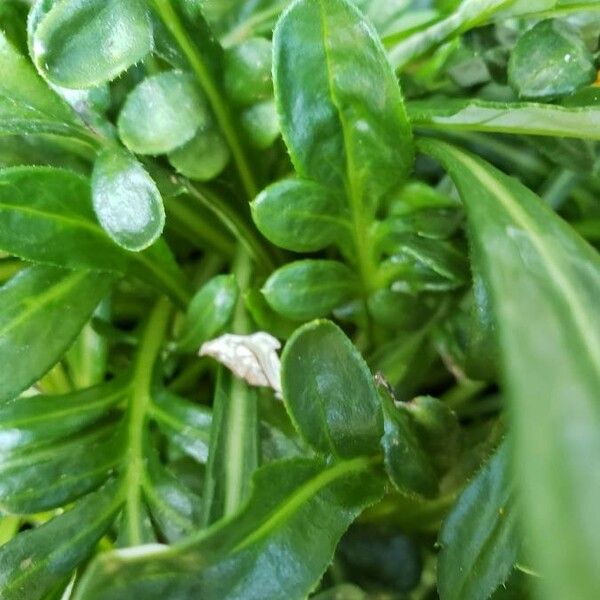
point(261, 124)
point(329, 392)
point(550, 60)
point(27, 105)
point(300, 215)
point(479, 541)
point(38, 560)
point(307, 289)
point(162, 113)
point(344, 131)
point(209, 312)
point(35, 329)
point(544, 283)
point(515, 117)
point(82, 43)
point(296, 514)
point(126, 200)
point(234, 448)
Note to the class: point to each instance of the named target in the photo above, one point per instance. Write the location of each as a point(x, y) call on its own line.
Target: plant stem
point(141, 385)
point(171, 19)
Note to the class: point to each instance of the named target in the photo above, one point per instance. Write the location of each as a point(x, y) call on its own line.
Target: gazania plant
point(299, 299)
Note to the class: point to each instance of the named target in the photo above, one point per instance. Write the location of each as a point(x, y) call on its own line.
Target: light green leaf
point(544, 285)
point(479, 541)
point(307, 289)
point(82, 43)
point(292, 523)
point(516, 117)
point(38, 560)
point(162, 113)
point(329, 392)
point(300, 215)
point(261, 124)
point(35, 329)
point(126, 200)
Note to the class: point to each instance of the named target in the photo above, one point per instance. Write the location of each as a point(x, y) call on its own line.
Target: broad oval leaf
point(550, 60)
point(126, 200)
point(42, 309)
point(544, 284)
point(162, 113)
point(297, 512)
point(82, 43)
point(300, 215)
point(341, 130)
point(479, 541)
point(307, 289)
point(329, 392)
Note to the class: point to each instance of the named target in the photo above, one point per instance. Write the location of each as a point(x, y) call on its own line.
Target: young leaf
point(162, 113)
point(38, 560)
point(126, 200)
point(300, 215)
point(82, 43)
point(544, 282)
point(297, 512)
point(344, 131)
point(550, 60)
point(307, 289)
point(35, 329)
point(479, 540)
point(329, 392)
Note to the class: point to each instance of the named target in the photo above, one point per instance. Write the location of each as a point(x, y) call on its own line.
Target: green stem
point(246, 29)
point(141, 386)
point(9, 526)
point(171, 19)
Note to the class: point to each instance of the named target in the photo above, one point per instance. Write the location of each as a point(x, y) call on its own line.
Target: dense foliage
point(404, 195)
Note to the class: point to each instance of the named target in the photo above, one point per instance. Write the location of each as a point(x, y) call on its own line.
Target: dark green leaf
point(300, 215)
point(544, 283)
point(479, 540)
point(82, 43)
point(307, 289)
point(126, 200)
point(550, 60)
point(329, 392)
point(42, 309)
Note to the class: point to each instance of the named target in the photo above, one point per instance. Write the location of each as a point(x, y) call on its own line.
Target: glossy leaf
point(329, 392)
point(519, 118)
point(550, 60)
point(82, 43)
point(126, 200)
point(544, 281)
point(38, 560)
point(209, 312)
point(34, 329)
point(298, 510)
point(162, 113)
point(308, 289)
point(479, 541)
point(343, 131)
point(300, 215)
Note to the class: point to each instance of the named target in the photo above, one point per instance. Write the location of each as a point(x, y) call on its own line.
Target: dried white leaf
point(252, 358)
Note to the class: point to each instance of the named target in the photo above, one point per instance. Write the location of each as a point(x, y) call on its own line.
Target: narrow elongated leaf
point(544, 285)
point(162, 113)
point(300, 215)
point(329, 392)
point(516, 117)
point(307, 289)
point(126, 200)
point(479, 540)
point(341, 130)
point(42, 309)
point(298, 510)
point(38, 560)
point(233, 456)
point(82, 43)
point(27, 105)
